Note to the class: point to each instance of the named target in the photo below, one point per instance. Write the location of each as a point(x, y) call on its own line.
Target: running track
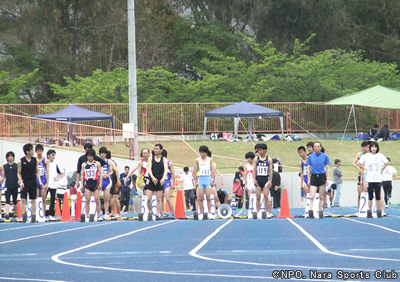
point(213, 250)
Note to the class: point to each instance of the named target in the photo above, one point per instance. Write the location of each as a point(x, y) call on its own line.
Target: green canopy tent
point(377, 96)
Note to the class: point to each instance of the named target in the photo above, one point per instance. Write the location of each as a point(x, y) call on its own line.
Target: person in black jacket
point(373, 131)
point(276, 190)
point(383, 134)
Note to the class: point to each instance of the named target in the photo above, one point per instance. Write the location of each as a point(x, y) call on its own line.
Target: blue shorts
point(204, 181)
point(131, 202)
point(43, 182)
point(167, 183)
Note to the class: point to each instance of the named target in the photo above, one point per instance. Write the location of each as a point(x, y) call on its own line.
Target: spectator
point(9, 173)
point(373, 131)
point(190, 195)
point(73, 194)
point(134, 193)
point(238, 187)
point(55, 174)
point(383, 134)
point(125, 190)
point(222, 196)
point(387, 178)
point(275, 190)
point(61, 188)
point(337, 179)
point(330, 194)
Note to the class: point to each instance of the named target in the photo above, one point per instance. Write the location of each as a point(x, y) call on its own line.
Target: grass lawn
point(179, 153)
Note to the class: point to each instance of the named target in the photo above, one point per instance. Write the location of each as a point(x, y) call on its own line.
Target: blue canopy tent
point(74, 114)
point(243, 110)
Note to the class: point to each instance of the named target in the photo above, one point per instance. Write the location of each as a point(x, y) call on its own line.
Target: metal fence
point(188, 118)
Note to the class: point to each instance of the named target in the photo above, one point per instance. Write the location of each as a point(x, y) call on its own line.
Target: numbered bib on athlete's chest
point(262, 168)
point(41, 168)
point(205, 168)
point(91, 171)
point(250, 176)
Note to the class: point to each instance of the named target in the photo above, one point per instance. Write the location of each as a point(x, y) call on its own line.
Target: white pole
point(133, 111)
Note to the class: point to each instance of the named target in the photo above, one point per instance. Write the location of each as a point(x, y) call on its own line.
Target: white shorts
point(251, 186)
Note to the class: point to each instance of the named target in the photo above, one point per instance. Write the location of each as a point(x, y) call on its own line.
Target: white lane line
point(29, 279)
point(325, 250)
point(205, 241)
point(17, 255)
point(375, 225)
point(128, 253)
point(30, 226)
point(56, 232)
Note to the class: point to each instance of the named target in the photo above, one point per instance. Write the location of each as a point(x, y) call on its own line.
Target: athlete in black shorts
point(91, 178)
point(27, 174)
point(263, 177)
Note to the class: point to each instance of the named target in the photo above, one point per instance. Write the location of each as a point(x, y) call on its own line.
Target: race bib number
point(41, 171)
point(262, 170)
point(250, 176)
point(205, 171)
point(90, 173)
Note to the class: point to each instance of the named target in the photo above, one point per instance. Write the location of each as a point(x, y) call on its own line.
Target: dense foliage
point(197, 51)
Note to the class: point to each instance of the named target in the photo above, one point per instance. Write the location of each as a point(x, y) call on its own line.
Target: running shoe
point(7, 216)
point(201, 216)
point(159, 217)
point(269, 215)
point(165, 216)
point(100, 218)
point(172, 216)
point(87, 219)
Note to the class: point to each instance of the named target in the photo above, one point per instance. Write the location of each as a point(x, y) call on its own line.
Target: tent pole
point(355, 122)
point(345, 129)
point(205, 127)
point(236, 122)
point(281, 118)
point(251, 127)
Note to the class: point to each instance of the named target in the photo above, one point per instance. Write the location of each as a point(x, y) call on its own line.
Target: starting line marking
point(31, 226)
point(52, 233)
point(30, 279)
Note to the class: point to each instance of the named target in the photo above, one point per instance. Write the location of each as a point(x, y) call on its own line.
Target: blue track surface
point(213, 250)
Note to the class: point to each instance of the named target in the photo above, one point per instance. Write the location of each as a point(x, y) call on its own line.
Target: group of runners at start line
point(157, 177)
point(371, 165)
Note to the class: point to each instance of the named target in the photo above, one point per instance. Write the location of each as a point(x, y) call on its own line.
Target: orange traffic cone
point(19, 214)
point(285, 212)
point(179, 209)
point(57, 213)
point(78, 206)
point(66, 214)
